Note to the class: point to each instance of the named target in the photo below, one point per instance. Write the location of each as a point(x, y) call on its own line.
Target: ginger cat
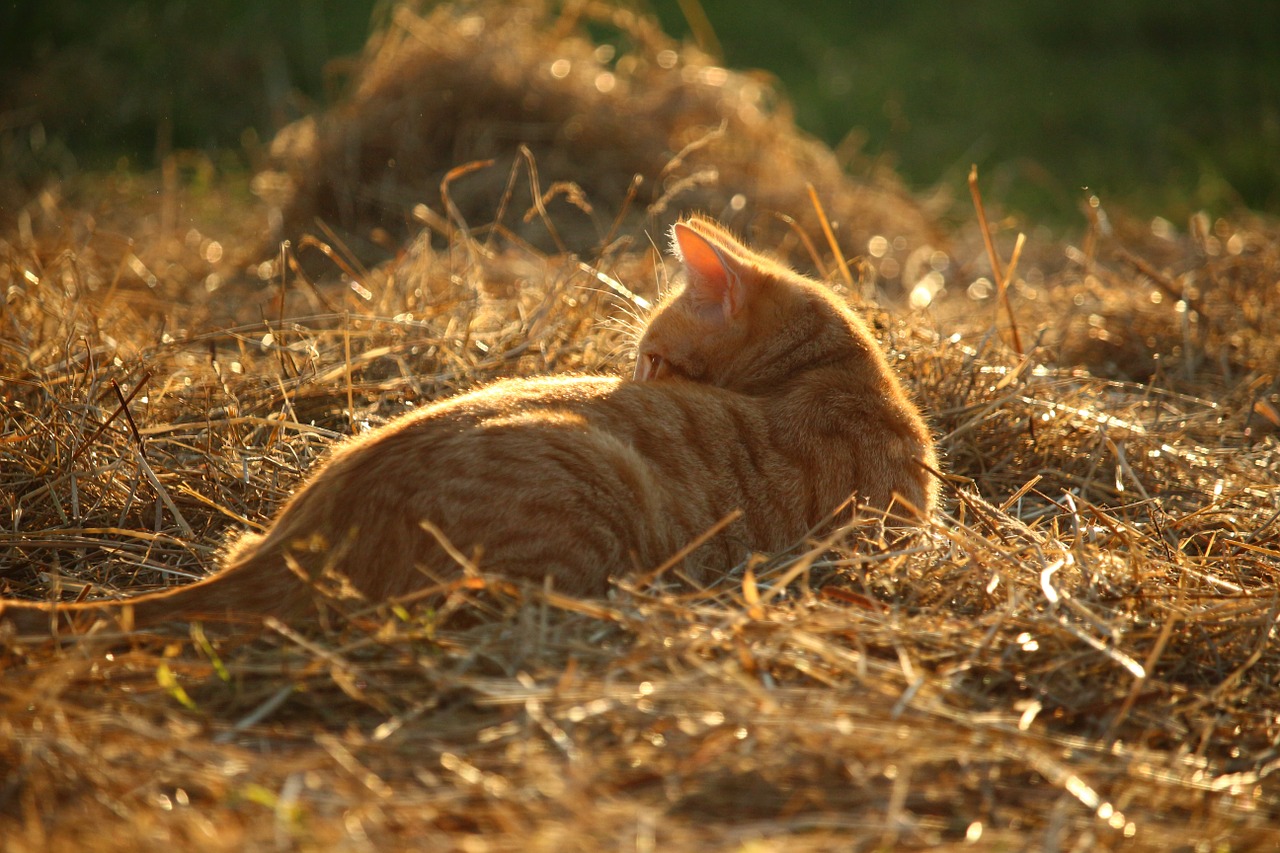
point(755, 389)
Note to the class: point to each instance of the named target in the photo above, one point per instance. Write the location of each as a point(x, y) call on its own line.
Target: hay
point(620, 136)
point(1078, 656)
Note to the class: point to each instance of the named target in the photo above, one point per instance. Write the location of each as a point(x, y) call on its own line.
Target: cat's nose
point(650, 366)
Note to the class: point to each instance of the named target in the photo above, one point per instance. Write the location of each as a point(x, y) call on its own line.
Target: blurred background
point(1158, 106)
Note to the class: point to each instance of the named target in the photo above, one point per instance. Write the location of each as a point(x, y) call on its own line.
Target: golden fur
point(755, 390)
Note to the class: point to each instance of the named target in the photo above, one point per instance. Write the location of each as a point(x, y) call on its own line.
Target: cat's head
point(739, 319)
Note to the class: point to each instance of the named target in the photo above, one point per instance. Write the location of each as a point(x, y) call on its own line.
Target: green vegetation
point(133, 77)
point(1163, 106)
point(1158, 104)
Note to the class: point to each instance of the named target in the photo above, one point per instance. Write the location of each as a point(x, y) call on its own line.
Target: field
point(1077, 654)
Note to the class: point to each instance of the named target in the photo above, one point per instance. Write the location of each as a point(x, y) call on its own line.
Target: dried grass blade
point(694, 545)
point(996, 270)
point(124, 405)
point(164, 494)
point(830, 235)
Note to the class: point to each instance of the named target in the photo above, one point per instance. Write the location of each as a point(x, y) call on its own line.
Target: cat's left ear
point(714, 277)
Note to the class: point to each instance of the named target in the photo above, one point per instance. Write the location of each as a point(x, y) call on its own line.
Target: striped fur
point(755, 390)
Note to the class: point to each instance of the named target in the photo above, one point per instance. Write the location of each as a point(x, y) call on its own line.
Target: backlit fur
point(756, 389)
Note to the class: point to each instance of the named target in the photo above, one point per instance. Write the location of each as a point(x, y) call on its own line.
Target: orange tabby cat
point(755, 389)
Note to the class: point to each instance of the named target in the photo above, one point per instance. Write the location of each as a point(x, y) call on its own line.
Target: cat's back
point(682, 430)
point(659, 419)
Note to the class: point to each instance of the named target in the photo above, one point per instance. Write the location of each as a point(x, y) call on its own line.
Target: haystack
point(614, 133)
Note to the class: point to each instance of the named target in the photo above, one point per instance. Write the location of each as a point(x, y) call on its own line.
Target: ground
point(1076, 654)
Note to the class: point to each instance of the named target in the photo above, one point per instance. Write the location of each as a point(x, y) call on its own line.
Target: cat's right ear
point(714, 280)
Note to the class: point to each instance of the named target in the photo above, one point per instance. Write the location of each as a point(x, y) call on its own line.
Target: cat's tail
point(255, 583)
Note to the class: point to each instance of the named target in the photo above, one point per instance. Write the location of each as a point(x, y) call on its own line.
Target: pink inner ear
point(713, 277)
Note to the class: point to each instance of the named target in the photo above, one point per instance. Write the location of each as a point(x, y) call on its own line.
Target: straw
point(1077, 654)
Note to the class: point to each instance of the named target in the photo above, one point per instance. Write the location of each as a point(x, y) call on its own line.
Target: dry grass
point(1078, 656)
point(609, 133)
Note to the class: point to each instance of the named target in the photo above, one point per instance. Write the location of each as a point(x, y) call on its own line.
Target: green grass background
point(1162, 106)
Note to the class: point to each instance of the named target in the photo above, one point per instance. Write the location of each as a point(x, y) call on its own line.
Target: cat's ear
point(714, 277)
